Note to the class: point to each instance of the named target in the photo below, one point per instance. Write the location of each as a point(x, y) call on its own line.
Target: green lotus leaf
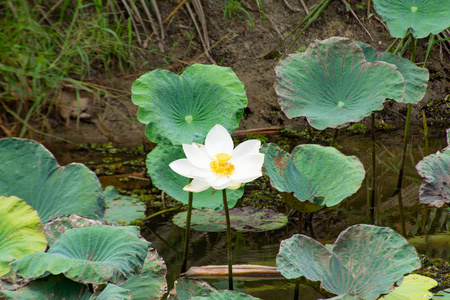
point(224, 295)
point(413, 287)
point(442, 295)
point(20, 231)
point(56, 227)
point(50, 288)
point(435, 188)
point(331, 83)
point(29, 171)
point(366, 261)
point(416, 79)
point(242, 219)
point(185, 288)
point(321, 175)
point(422, 16)
point(150, 283)
point(182, 109)
point(122, 209)
point(98, 255)
point(165, 179)
point(112, 292)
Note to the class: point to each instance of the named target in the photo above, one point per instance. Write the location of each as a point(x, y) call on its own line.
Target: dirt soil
point(239, 44)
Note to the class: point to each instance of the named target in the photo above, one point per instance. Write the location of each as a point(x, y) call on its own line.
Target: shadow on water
point(425, 227)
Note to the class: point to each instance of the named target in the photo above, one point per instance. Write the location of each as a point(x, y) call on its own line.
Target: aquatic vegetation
point(201, 290)
point(122, 209)
point(342, 85)
point(422, 17)
point(20, 231)
point(364, 262)
point(182, 109)
point(320, 176)
point(51, 189)
point(217, 164)
point(413, 287)
point(435, 168)
point(243, 219)
point(415, 78)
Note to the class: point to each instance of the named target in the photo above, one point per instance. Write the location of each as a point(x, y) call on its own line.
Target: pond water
point(427, 228)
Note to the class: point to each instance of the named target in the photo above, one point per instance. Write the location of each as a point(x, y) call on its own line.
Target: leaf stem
point(187, 233)
point(229, 253)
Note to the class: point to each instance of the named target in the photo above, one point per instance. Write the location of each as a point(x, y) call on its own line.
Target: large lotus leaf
point(416, 79)
point(182, 109)
point(331, 83)
point(422, 16)
point(97, 255)
point(20, 231)
point(242, 219)
point(314, 173)
point(365, 261)
point(50, 288)
point(29, 171)
point(165, 179)
point(413, 287)
point(150, 283)
point(122, 209)
point(435, 188)
point(56, 227)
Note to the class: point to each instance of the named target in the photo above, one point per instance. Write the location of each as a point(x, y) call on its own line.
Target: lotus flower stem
point(187, 233)
point(402, 167)
point(300, 222)
point(372, 195)
point(425, 132)
point(229, 250)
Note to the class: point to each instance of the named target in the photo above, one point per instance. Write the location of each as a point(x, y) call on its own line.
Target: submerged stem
point(229, 253)
point(372, 195)
point(187, 233)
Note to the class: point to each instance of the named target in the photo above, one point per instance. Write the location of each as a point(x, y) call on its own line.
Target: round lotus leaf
point(331, 83)
point(435, 188)
point(416, 79)
point(365, 261)
point(413, 287)
point(182, 109)
point(96, 255)
point(422, 16)
point(56, 227)
point(29, 171)
point(150, 283)
point(242, 219)
point(122, 209)
point(165, 179)
point(321, 175)
point(20, 231)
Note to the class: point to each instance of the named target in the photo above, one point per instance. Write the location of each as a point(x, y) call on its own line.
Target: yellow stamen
point(221, 166)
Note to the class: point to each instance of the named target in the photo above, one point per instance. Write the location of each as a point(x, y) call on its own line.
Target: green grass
point(46, 44)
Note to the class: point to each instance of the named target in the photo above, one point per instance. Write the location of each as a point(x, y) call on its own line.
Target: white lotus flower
point(216, 164)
